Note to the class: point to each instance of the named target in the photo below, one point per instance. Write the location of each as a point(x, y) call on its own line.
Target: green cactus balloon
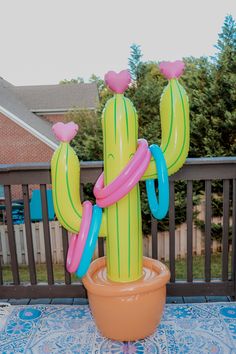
point(124, 241)
point(121, 221)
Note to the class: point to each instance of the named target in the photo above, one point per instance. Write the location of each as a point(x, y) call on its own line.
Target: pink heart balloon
point(118, 82)
point(172, 69)
point(65, 132)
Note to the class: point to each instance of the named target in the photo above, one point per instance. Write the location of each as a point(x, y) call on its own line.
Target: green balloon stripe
point(105, 145)
point(115, 118)
point(118, 238)
point(126, 118)
point(107, 241)
point(171, 120)
point(67, 184)
point(135, 121)
point(129, 235)
point(139, 221)
point(184, 113)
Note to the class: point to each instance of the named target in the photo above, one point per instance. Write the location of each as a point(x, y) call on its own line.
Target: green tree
point(224, 88)
point(134, 60)
point(219, 138)
point(88, 142)
point(78, 80)
point(211, 87)
point(98, 81)
point(104, 92)
point(197, 80)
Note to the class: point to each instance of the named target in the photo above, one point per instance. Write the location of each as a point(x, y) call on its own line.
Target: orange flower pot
point(127, 311)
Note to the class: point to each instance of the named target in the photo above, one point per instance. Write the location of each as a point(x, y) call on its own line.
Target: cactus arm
point(65, 172)
point(174, 111)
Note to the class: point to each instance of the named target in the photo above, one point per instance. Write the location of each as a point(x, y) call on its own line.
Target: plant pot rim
point(156, 277)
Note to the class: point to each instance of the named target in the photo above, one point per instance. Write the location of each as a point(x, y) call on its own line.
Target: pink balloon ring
point(130, 183)
point(77, 241)
point(103, 192)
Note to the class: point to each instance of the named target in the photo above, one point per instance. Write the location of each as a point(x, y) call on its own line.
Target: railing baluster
point(225, 234)
point(46, 232)
point(1, 277)
point(11, 235)
point(208, 231)
point(65, 245)
point(234, 236)
point(154, 238)
point(81, 192)
point(172, 231)
point(189, 231)
point(29, 239)
point(100, 246)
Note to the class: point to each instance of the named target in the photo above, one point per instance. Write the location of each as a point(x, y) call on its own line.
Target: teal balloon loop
point(91, 242)
point(159, 207)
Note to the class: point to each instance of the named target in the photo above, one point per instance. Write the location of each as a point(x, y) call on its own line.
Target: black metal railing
point(206, 169)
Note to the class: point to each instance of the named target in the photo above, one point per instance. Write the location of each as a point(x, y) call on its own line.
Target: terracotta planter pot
point(127, 311)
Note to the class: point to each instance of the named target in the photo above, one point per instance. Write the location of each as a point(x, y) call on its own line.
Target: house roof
point(13, 108)
point(62, 97)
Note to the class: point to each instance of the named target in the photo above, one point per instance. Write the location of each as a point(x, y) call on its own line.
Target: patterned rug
point(185, 328)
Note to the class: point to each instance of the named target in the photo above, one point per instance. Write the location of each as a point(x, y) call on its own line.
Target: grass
point(41, 271)
point(180, 267)
point(199, 267)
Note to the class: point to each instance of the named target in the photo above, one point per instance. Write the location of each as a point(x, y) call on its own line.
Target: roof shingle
point(10, 103)
point(62, 97)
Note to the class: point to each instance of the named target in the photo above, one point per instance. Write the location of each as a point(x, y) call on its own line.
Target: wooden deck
point(83, 301)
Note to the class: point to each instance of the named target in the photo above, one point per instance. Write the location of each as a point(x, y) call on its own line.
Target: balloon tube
point(174, 111)
point(124, 233)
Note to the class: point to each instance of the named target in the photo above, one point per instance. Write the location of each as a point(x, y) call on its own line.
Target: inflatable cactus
point(124, 243)
point(127, 160)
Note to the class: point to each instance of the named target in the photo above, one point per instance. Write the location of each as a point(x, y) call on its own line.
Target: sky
point(45, 41)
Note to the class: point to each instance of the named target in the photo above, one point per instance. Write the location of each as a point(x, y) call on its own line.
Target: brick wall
point(18, 145)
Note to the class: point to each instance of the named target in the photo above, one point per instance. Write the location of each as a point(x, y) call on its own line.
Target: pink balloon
point(172, 70)
point(77, 241)
point(102, 192)
point(128, 186)
point(65, 132)
point(118, 82)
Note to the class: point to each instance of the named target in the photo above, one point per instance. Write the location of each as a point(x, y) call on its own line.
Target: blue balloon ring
point(159, 208)
point(91, 242)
